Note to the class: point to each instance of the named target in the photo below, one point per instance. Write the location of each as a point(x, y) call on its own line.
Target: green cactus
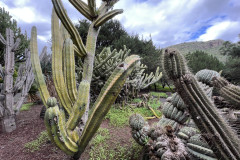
point(68, 124)
point(224, 142)
point(106, 61)
point(228, 91)
point(206, 76)
point(160, 141)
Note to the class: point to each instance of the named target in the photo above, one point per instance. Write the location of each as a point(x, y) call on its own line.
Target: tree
point(7, 22)
point(232, 66)
point(199, 60)
point(112, 34)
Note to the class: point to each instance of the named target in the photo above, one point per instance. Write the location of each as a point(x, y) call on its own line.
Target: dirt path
point(29, 126)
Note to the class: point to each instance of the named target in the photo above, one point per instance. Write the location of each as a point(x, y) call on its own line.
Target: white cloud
point(167, 21)
point(173, 21)
point(21, 2)
point(24, 14)
point(220, 30)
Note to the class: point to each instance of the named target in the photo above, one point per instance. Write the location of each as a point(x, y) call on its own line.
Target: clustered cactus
point(69, 123)
point(223, 141)
point(13, 92)
point(205, 134)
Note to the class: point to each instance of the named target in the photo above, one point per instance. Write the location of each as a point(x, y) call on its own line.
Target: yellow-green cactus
point(67, 122)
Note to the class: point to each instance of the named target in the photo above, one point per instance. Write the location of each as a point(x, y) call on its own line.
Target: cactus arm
point(107, 16)
point(105, 99)
point(16, 44)
point(68, 53)
point(58, 6)
point(42, 87)
point(2, 40)
point(57, 66)
point(80, 105)
point(92, 7)
point(82, 7)
point(55, 133)
point(224, 142)
point(228, 91)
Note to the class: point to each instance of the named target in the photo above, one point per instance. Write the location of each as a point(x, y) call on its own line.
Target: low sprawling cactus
point(196, 144)
point(69, 124)
point(223, 141)
point(13, 92)
point(160, 141)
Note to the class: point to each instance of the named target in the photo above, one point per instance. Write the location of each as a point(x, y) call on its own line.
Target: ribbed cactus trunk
point(11, 98)
point(8, 121)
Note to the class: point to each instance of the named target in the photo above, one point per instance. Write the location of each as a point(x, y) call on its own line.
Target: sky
point(167, 22)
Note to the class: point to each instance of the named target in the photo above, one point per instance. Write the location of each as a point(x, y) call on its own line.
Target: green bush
point(159, 94)
point(26, 107)
point(160, 88)
point(119, 117)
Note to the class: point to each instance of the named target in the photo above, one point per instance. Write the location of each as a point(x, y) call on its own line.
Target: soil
point(30, 125)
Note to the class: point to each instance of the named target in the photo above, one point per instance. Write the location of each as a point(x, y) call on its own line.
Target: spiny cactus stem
point(209, 121)
point(105, 99)
point(90, 47)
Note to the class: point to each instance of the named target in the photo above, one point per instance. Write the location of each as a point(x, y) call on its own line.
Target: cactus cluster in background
point(13, 92)
point(104, 64)
point(70, 124)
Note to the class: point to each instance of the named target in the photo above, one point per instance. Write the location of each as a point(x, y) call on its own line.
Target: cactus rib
point(57, 66)
point(68, 53)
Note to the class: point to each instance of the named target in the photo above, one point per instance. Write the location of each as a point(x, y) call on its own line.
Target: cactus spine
point(68, 123)
point(11, 99)
point(224, 141)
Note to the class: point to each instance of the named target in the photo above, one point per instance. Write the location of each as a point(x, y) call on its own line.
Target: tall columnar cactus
point(13, 93)
point(223, 141)
point(69, 124)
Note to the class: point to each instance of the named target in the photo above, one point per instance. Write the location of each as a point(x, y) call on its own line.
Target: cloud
point(167, 21)
point(225, 29)
point(173, 21)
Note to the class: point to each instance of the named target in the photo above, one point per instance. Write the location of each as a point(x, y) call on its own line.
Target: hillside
point(212, 47)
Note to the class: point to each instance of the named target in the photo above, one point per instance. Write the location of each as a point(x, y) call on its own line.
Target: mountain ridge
point(211, 47)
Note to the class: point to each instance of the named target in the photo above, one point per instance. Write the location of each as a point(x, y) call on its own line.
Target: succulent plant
point(13, 93)
point(69, 124)
point(223, 141)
